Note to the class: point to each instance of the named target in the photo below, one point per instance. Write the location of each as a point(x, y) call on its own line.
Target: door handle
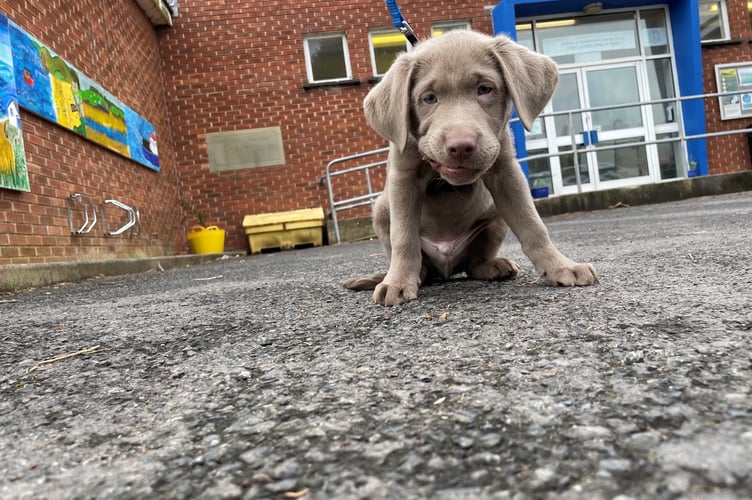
point(589, 137)
point(593, 137)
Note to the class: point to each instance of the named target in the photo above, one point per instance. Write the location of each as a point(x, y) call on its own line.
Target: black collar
point(437, 184)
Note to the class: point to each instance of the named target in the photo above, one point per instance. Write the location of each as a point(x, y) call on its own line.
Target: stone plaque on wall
point(238, 149)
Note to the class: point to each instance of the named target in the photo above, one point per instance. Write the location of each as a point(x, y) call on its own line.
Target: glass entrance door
point(612, 87)
point(607, 61)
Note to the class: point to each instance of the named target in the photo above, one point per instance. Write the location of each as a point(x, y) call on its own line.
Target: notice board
point(734, 80)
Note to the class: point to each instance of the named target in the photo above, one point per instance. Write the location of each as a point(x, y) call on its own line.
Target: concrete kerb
point(24, 276)
point(663, 192)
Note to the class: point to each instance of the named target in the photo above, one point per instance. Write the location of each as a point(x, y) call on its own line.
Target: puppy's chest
point(446, 255)
point(449, 210)
point(452, 218)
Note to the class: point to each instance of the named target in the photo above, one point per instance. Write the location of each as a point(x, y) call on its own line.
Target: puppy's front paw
point(498, 269)
point(394, 294)
point(572, 274)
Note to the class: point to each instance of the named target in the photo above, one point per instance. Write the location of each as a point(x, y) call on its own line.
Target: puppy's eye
point(484, 89)
point(430, 99)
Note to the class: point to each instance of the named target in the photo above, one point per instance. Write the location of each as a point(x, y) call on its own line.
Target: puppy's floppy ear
point(387, 105)
point(530, 77)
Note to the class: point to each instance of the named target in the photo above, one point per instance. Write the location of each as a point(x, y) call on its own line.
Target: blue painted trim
point(685, 23)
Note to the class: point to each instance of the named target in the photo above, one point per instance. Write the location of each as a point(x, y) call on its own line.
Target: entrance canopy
point(684, 19)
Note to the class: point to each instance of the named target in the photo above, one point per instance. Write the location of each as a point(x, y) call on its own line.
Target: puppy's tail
point(363, 282)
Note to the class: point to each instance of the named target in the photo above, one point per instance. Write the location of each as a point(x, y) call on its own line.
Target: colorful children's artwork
point(13, 174)
point(53, 89)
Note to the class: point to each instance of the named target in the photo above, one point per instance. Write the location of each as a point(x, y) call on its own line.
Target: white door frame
point(554, 143)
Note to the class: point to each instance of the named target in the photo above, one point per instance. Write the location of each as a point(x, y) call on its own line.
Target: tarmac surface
point(259, 377)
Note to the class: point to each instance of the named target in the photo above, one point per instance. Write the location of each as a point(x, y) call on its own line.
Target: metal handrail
point(357, 201)
point(682, 137)
point(361, 200)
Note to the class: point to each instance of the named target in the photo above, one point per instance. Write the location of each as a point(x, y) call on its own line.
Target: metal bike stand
point(90, 213)
point(134, 218)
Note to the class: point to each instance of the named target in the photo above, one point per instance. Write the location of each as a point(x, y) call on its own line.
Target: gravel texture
point(259, 377)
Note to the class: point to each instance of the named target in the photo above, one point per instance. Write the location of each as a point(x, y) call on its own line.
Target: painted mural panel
point(13, 174)
point(50, 87)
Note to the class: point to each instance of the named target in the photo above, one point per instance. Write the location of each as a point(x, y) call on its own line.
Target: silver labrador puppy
point(453, 184)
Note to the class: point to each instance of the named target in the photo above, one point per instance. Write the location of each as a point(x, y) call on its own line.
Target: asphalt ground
point(259, 377)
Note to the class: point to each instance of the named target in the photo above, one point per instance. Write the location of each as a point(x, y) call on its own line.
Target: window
point(654, 32)
point(327, 58)
point(385, 46)
point(441, 28)
point(583, 39)
point(713, 20)
point(525, 35)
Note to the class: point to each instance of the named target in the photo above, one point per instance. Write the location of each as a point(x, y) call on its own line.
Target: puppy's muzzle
point(460, 148)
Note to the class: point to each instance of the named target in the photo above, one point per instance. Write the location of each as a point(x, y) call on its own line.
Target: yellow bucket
point(206, 239)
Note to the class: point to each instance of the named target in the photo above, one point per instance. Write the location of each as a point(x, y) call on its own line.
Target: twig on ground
point(82, 352)
point(297, 494)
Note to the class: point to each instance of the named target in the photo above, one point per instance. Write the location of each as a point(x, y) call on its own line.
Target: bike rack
point(89, 222)
point(134, 218)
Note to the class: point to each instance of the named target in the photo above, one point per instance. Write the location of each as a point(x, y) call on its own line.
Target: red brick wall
point(240, 65)
point(727, 153)
point(116, 46)
point(225, 66)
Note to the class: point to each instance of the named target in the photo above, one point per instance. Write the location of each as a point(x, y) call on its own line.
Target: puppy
point(453, 185)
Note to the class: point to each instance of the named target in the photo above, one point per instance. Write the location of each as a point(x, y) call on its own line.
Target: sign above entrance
point(587, 43)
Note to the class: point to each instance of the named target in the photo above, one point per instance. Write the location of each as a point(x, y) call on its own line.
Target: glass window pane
point(327, 58)
point(539, 171)
point(566, 162)
point(711, 21)
point(567, 98)
point(622, 163)
point(669, 154)
point(591, 38)
point(661, 80)
point(386, 47)
point(525, 35)
point(440, 29)
point(607, 87)
point(653, 32)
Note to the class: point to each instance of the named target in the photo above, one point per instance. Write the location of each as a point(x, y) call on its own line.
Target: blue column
point(685, 24)
point(503, 18)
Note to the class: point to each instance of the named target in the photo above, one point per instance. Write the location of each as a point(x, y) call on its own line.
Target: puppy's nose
point(460, 148)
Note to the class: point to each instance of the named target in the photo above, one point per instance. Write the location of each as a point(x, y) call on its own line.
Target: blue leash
point(400, 23)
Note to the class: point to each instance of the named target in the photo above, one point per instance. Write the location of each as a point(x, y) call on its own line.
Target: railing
point(682, 137)
point(337, 205)
point(357, 201)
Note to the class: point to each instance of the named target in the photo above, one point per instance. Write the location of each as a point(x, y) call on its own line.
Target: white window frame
point(373, 50)
point(445, 26)
point(345, 51)
point(723, 16)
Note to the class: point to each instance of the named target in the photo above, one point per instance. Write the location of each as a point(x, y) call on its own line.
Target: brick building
point(116, 45)
point(250, 100)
